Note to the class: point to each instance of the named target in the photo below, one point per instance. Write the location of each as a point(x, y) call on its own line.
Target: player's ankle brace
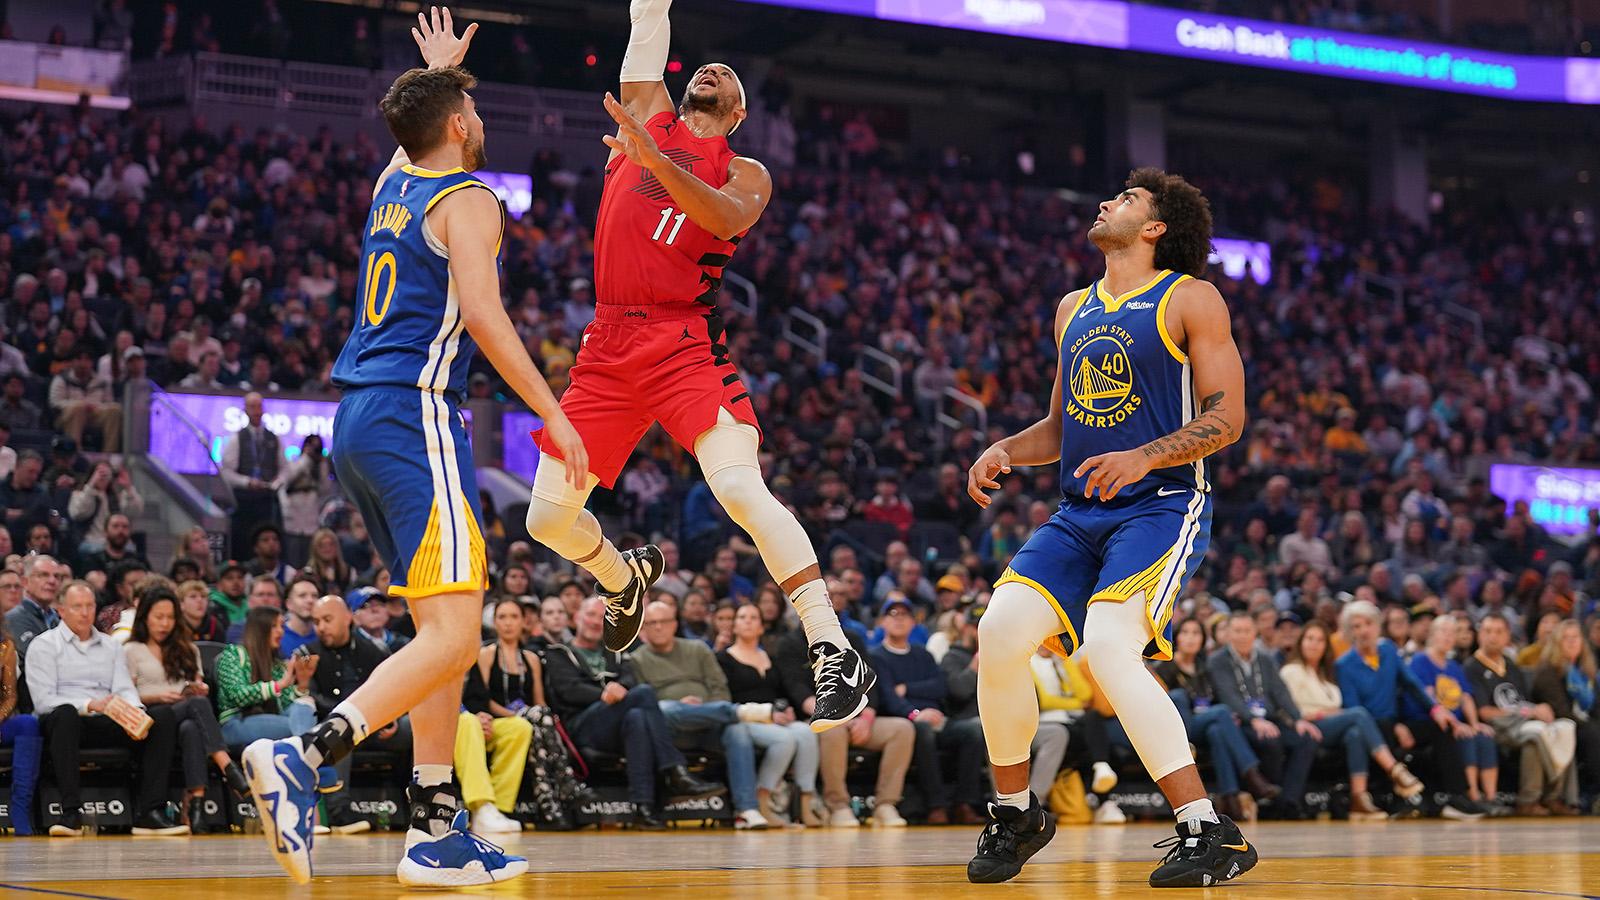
point(433, 808)
point(329, 742)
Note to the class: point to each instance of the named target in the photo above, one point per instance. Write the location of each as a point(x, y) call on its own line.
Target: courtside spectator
point(372, 617)
point(1247, 683)
point(1547, 744)
point(596, 693)
point(36, 614)
point(1565, 679)
point(260, 695)
point(19, 731)
point(787, 742)
point(1446, 683)
point(74, 674)
point(166, 671)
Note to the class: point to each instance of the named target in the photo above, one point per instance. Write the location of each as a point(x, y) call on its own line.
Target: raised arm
point(436, 38)
point(469, 224)
point(1037, 445)
point(724, 212)
point(1203, 328)
point(643, 91)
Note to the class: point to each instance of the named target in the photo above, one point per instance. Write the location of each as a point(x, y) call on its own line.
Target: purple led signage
point(519, 454)
point(1251, 42)
point(1558, 499)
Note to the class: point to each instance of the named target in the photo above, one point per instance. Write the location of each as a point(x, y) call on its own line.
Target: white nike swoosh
point(1168, 492)
point(632, 607)
point(853, 682)
point(1087, 311)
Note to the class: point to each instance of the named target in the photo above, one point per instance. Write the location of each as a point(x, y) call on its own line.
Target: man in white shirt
point(74, 673)
point(1305, 546)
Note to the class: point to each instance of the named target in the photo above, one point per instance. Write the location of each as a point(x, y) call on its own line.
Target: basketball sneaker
point(458, 858)
point(843, 679)
point(1008, 840)
point(1203, 854)
point(625, 608)
point(285, 789)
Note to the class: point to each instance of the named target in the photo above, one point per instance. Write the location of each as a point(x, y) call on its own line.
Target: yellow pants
point(491, 770)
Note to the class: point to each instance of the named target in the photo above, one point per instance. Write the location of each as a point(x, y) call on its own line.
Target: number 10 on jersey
point(677, 223)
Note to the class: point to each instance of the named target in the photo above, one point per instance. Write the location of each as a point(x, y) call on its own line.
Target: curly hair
point(1180, 205)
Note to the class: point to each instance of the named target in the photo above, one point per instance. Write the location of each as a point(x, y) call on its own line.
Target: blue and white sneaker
point(285, 789)
point(458, 859)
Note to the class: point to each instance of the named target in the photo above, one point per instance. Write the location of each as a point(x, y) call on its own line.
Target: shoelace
point(484, 848)
point(1179, 844)
point(829, 668)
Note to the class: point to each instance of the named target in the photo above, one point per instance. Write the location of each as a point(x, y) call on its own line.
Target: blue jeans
point(1479, 751)
point(299, 719)
point(716, 726)
point(784, 744)
point(1357, 731)
point(1230, 752)
point(634, 727)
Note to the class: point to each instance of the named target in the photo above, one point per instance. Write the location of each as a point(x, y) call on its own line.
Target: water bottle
point(91, 820)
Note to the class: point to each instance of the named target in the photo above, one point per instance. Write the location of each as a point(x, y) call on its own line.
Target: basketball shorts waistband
point(611, 314)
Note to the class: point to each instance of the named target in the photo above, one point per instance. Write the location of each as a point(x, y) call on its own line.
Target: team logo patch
point(1100, 378)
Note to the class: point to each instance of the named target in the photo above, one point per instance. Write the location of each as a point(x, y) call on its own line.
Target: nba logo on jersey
point(404, 185)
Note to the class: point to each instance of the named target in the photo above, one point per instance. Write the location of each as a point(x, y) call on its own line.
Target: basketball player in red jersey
point(677, 201)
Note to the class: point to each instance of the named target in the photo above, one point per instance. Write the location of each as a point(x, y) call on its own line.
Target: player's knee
point(1000, 641)
point(741, 492)
point(548, 521)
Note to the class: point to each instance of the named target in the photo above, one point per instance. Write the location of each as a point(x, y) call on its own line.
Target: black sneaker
point(625, 608)
point(1011, 837)
point(1203, 854)
point(843, 679)
point(159, 822)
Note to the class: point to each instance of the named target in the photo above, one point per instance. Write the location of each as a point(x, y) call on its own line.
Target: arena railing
point(746, 307)
point(873, 361)
point(816, 344)
point(955, 422)
point(177, 501)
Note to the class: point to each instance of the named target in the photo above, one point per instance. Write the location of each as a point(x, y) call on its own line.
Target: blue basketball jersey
point(1125, 384)
point(408, 329)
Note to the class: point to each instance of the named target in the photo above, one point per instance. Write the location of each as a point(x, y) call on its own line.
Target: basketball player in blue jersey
point(431, 296)
point(1149, 384)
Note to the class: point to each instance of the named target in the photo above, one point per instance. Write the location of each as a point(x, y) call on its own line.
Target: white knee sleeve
point(1017, 620)
point(727, 455)
point(1114, 638)
point(556, 517)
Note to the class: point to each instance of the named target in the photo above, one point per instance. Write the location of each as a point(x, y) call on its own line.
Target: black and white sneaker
point(1203, 854)
point(843, 679)
point(1011, 837)
point(625, 608)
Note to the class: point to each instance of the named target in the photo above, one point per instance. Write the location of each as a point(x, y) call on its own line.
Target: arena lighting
point(519, 454)
point(513, 189)
point(1252, 42)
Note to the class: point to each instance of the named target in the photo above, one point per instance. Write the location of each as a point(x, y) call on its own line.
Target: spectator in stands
point(914, 688)
point(264, 593)
point(1547, 744)
point(117, 547)
point(788, 744)
point(597, 695)
point(1565, 681)
point(105, 494)
point(195, 545)
point(341, 663)
point(1305, 546)
point(17, 412)
point(116, 618)
point(166, 671)
point(267, 543)
point(1188, 681)
point(490, 756)
point(1446, 684)
point(698, 706)
point(230, 594)
point(36, 614)
point(79, 400)
point(298, 628)
point(204, 377)
point(18, 731)
point(306, 488)
point(1281, 737)
point(251, 463)
point(75, 674)
point(1314, 684)
point(194, 603)
point(260, 695)
point(24, 498)
point(10, 592)
point(372, 617)
point(327, 565)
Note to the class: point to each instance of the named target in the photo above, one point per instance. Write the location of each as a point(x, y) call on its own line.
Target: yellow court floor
point(1500, 859)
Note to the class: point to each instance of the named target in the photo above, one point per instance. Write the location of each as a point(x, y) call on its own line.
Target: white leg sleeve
point(1018, 619)
point(1114, 638)
point(727, 455)
point(558, 520)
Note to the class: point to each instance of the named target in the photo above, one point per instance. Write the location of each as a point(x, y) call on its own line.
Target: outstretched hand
point(437, 39)
point(632, 139)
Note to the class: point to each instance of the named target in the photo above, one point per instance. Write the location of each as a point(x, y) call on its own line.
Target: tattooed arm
point(1198, 321)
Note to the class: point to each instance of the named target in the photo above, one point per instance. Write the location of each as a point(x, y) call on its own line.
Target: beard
point(1108, 238)
point(715, 104)
point(473, 158)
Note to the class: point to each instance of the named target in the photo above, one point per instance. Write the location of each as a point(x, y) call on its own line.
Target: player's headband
point(740, 82)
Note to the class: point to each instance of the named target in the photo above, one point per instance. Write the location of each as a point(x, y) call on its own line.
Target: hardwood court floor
point(1426, 860)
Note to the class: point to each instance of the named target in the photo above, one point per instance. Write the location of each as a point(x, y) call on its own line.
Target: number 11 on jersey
point(677, 223)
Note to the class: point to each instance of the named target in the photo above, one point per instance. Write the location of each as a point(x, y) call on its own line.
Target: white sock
point(1018, 800)
point(432, 775)
point(816, 614)
point(358, 722)
point(609, 568)
point(1195, 812)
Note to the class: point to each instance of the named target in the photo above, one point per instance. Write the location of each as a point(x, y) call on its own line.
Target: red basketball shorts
point(639, 365)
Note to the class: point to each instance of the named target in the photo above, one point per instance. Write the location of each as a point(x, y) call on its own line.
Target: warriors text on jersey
point(408, 329)
point(647, 251)
point(1124, 383)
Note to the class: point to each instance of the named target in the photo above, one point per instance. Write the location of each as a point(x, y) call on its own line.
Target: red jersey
point(647, 251)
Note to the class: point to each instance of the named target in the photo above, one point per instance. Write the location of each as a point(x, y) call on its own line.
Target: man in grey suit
point(1248, 682)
